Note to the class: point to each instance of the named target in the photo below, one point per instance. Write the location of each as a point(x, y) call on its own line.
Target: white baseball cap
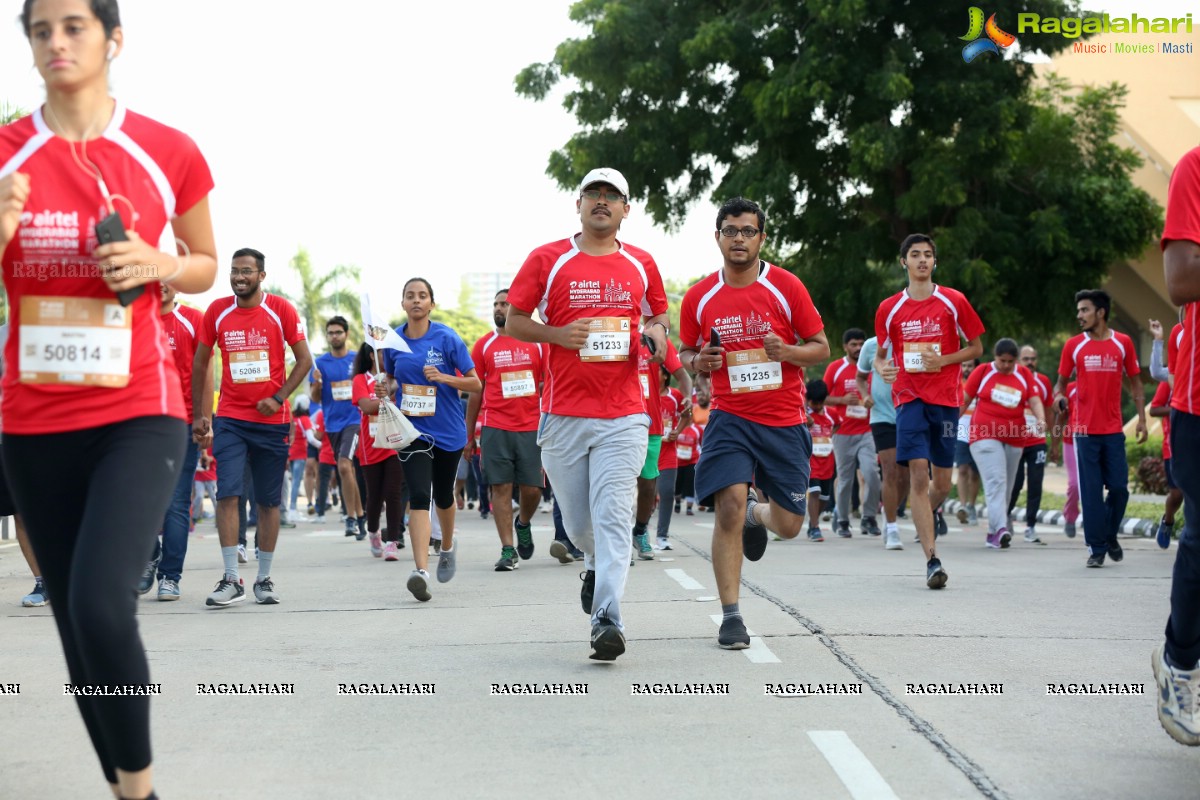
point(606, 175)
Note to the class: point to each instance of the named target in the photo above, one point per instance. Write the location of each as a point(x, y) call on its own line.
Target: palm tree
point(323, 295)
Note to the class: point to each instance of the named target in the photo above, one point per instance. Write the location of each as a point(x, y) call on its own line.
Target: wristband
point(666, 330)
point(277, 398)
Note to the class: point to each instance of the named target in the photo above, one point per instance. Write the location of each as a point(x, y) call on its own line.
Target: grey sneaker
point(418, 584)
point(264, 592)
point(38, 597)
point(972, 516)
point(508, 560)
point(558, 549)
point(447, 564)
point(242, 554)
point(1069, 529)
point(644, 551)
point(229, 590)
point(147, 581)
point(1031, 536)
point(168, 589)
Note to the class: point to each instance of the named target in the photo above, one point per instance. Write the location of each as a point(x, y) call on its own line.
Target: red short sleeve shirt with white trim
point(762, 392)
point(1099, 366)
point(1000, 411)
point(841, 380)
point(1044, 392)
point(253, 344)
point(616, 290)
point(939, 322)
point(687, 446)
point(648, 379)
point(53, 282)
point(362, 387)
point(325, 452)
point(511, 371)
point(821, 427)
point(1162, 399)
point(670, 408)
point(1183, 223)
point(299, 449)
point(181, 326)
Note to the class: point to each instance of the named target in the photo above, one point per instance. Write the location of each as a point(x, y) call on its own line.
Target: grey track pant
point(856, 454)
point(997, 463)
point(593, 465)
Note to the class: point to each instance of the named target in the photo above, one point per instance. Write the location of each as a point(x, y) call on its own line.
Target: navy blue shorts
point(1167, 471)
point(926, 431)
point(736, 451)
point(235, 442)
point(962, 455)
point(313, 453)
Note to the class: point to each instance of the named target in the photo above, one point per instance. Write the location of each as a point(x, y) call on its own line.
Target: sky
point(376, 137)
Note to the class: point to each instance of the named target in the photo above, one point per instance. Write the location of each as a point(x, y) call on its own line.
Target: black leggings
point(90, 533)
point(1035, 457)
point(385, 484)
point(430, 474)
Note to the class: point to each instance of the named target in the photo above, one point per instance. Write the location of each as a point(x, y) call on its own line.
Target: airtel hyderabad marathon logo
point(976, 28)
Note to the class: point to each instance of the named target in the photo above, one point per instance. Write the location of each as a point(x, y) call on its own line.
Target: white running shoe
point(891, 541)
point(1178, 698)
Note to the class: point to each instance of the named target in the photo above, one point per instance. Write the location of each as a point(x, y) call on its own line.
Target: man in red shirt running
point(253, 420)
point(511, 372)
point(926, 324)
point(1034, 450)
point(592, 292)
point(769, 331)
point(1177, 661)
point(853, 445)
point(1097, 357)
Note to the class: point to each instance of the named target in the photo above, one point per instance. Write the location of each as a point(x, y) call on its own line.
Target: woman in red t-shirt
point(998, 430)
point(382, 470)
point(91, 381)
point(298, 454)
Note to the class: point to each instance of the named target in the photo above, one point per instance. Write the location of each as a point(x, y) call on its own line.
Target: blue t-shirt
point(883, 411)
point(336, 376)
point(440, 347)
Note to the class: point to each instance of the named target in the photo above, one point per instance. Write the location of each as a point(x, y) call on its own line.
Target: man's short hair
point(259, 259)
point(338, 320)
point(915, 238)
point(1100, 299)
point(737, 206)
point(853, 333)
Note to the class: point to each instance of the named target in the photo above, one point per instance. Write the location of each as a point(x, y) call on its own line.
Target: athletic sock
point(230, 556)
point(891, 528)
point(264, 563)
point(731, 611)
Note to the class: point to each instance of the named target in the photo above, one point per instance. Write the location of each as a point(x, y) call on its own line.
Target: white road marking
point(853, 769)
point(758, 652)
point(683, 579)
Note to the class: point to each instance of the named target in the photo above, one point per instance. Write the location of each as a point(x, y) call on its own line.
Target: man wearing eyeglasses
point(254, 419)
point(593, 292)
point(769, 331)
point(332, 383)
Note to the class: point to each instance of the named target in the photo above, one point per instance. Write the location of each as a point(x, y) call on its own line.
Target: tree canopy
point(854, 123)
point(324, 294)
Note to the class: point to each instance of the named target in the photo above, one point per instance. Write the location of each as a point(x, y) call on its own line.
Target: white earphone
point(112, 51)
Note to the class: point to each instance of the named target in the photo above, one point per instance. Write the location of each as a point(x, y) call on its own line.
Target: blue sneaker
point(1163, 536)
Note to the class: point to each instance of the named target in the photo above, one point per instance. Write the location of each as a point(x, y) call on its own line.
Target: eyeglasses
point(335, 332)
point(243, 273)
point(609, 197)
point(746, 232)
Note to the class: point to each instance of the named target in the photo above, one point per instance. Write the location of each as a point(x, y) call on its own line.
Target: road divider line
point(853, 768)
point(757, 652)
point(683, 579)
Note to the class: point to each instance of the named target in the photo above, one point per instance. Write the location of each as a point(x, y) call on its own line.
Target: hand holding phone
point(109, 230)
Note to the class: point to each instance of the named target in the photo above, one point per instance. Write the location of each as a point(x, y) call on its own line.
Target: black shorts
point(737, 450)
point(511, 457)
point(822, 486)
point(344, 442)
point(962, 455)
point(884, 434)
point(8, 507)
point(313, 452)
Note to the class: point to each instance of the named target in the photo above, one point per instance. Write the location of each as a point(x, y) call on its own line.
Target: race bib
point(683, 452)
point(913, 352)
point(751, 371)
point(1006, 396)
point(608, 340)
point(645, 379)
point(79, 341)
point(418, 400)
point(372, 425)
point(822, 446)
point(341, 390)
point(517, 384)
point(249, 366)
point(857, 412)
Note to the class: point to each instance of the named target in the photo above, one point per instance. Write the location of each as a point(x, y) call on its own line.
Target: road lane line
point(853, 768)
point(757, 652)
point(683, 579)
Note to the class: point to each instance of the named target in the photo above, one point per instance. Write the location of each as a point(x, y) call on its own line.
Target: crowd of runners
point(601, 400)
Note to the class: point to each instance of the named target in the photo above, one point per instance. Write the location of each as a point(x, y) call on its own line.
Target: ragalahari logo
point(995, 40)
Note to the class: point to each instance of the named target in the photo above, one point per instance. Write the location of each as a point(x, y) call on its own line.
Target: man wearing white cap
point(593, 292)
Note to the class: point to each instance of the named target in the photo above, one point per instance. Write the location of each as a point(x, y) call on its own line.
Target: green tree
point(323, 295)
point(854, 126)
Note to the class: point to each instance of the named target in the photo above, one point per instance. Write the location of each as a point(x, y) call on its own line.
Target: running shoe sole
point(937, 580)
point(1162, 677)
point(607, 643)
point(559, 550)
point(419, 587)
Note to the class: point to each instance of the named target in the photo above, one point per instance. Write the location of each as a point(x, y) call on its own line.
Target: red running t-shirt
point(670, 405)
point(687, 446)
point(938, 324)
point(841, 379)
point(648, 380)
point(210, 474)
point(1162, 399)
point(1183, 223)
point(1098, 365)
point(821, 426)
point(613, 292)
point(73, 347)
point(325, 453)
point(362, 387)
point(511, 371)
point(750, 385)
point(299, 449)
point(1068, 427)
point(1044, 392)
point(180, 327)
point(253, 347)
point(1000, 412)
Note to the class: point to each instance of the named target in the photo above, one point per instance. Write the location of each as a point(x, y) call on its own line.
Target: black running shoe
point(588, 590)
point(1095, 561)
point(351, 527)
point(733, 634)
point(935, 576)
point(754, 535)
point(362, 529)
point(524, 539)
point(607, 640)
point(1114, 550)
point(939, 524)
point(870, 527)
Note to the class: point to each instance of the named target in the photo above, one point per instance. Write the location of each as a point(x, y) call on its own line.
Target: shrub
point(1150, 476)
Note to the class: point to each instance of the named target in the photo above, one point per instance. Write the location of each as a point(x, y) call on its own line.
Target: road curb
point(1130, 526)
